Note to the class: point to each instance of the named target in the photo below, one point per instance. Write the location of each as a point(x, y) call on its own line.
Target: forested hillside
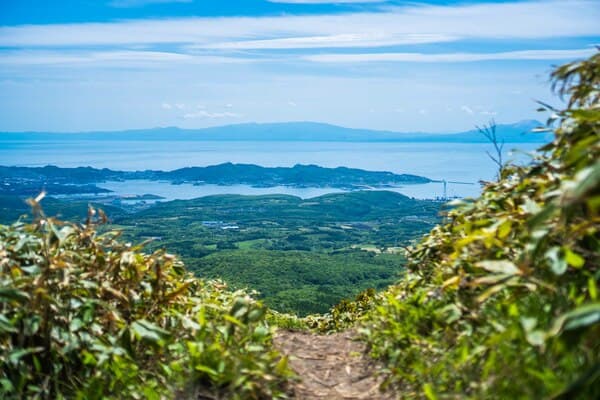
point(301, 255)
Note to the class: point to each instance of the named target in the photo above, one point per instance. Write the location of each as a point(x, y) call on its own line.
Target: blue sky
point(399, 65)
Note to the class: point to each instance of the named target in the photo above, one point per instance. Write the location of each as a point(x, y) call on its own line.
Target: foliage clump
point(344, 315)
point(84, 315)
point(502, 301)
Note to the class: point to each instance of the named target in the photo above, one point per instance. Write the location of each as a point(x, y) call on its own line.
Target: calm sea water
point(464, 162)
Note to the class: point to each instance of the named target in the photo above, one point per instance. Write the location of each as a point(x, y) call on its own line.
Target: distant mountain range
point(519, 132)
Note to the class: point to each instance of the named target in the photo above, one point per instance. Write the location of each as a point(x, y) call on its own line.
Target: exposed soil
point(330, 366)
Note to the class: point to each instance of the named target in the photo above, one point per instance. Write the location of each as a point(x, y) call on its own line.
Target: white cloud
point(339, 41)
point(475, 110)
point(533, 20)
point(111, 57)
point(467, 109)
point(210, 115)
point(452, 57)
point(292, 103)
point(166, 106)
point(488, 113)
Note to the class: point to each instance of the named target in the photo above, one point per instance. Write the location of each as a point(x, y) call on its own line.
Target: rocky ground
point(332, 367)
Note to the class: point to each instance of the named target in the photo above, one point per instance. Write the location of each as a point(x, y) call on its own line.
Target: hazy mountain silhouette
point(290, 131)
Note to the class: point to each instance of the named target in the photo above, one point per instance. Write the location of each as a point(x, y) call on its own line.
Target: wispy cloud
point(198, 111)
point(110, 57)
point(472, 110)
point(467, 109)
point(538, 19)
point(452, 57)
point(488, 113)
point(211, 115)
point(173, 106)
point(330, 41)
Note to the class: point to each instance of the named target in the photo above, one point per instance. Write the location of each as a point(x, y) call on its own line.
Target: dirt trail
point(330, 366)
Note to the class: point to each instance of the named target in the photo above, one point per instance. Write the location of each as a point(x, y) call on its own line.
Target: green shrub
point(502, 300)
point(86, 316)
point(340, 317)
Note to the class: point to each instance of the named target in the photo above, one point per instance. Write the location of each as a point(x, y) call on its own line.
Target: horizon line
point(156, 128)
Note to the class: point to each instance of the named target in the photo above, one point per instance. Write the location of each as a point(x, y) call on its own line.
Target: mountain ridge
point(519, 132)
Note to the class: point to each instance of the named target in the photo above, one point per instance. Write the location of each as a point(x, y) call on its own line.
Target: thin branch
point(489, 132)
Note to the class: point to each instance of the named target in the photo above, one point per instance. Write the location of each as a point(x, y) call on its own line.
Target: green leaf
point(451, 313)
point(76, 324)
point(528, 323)
point(150, 393)
point(558, 264)
point(15, 356)
point(499, 266)
point(504, 229)
point(7, 386)
point(542, 216)
point(233, 320)
point(586, 179)
point(208, 370)
point(143, 329)
point(429, 392)
point(8, 294)
point(31, 270)
point(6, 325)
point(573, 259)
point(256, 314)
point(536, 337)
point(582, 316)
point(531, 207)
point(592, 290)
point(282, 365)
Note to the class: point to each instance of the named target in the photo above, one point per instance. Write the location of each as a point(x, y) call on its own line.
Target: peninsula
point(57, 180)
